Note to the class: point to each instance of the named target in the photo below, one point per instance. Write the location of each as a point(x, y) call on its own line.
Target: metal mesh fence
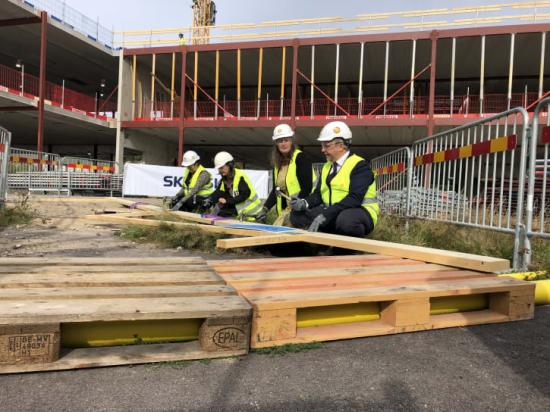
point(538, 193)
point(5, 140)
point(393, 172)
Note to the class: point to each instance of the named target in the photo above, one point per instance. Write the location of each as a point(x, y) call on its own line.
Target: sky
point(145, 14)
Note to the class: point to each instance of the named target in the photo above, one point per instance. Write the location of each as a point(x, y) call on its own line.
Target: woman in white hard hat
point(196, 184)
point(292, 172)
point(344, 200)
point(234, 195)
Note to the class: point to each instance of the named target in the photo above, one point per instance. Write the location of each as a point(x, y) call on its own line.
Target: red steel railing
point(69, 99)
point(461, 105)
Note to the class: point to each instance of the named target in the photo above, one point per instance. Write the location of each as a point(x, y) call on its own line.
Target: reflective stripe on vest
point(205, 190)
point(251, 206)
point(339, 187)
point(292, 184)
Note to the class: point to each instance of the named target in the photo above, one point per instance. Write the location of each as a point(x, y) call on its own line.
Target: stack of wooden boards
point(65, 313)
point(301, 300)
point(50, 305)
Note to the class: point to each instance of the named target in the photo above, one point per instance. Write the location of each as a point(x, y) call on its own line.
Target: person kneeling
point(344, 200)
point(197, 185)
point(234, 196)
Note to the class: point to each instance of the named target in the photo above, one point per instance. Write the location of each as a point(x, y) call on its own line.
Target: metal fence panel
point(84, 174)
point(5, 140)
point(538, 206)
point(393, 173)
point(474, 175)
point(33, 170)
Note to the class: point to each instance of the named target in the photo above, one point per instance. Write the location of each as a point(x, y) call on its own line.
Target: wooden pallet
point(328, 298)
point(47, 302)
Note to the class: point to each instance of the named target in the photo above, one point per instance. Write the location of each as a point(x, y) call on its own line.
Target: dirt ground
point(491, 367)
point(61, 230)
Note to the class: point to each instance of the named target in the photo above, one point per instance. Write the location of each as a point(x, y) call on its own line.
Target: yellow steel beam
point(134, 69)
point(172, 83)
point(260, 63)
point(216, 91)
point(283, 65)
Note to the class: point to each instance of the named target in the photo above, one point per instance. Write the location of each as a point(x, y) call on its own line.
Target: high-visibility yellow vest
point(251, 206)
point(292, 184)
point(205, 190)
point(339, 187)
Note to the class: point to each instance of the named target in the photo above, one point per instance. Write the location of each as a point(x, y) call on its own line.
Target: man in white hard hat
point(197, 184)
point(344, 200)
point(234, 196)
point(292, 172)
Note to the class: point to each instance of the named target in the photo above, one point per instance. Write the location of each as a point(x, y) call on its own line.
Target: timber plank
point(412, 266)
point(348, 282)
point(109, 279)
point(89, 310)
point(124, 355)
point(59, 269)
point(158, 222)
point(110, 292)
point(266, 300)
point(225, 263)
point(276, 265)
point(99, 261)
point(444, 257)
point(455, 259)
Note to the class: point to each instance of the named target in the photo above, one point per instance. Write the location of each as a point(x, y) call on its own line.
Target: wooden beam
point(95, 261)
point(444, 257)
point(426, 254)
point(124, 220)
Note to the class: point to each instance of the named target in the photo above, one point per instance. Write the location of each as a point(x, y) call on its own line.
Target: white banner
point(161, 181)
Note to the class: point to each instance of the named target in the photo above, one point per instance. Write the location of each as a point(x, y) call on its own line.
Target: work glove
point(317, 223)
point(207, 203)
point(262, 214)
point(298, 205)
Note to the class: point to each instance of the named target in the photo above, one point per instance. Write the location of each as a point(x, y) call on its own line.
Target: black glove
point(262, 214)
point(317, 223)
point(174, 202)
point(298, 205)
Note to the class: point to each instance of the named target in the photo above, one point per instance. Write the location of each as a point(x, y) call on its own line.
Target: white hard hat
point(190, 158)
point(333, 130)
point(282, 130)
point(221, 159)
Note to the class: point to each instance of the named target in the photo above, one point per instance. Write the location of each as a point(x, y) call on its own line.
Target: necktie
point(333, 172)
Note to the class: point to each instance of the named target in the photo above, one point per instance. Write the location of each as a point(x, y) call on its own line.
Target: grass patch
point(20, 214)
point(289, 348)
point(169, 236)
point(448, 236)
point(172, 237)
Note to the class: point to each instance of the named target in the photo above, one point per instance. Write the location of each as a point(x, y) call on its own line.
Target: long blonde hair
point(278, 159)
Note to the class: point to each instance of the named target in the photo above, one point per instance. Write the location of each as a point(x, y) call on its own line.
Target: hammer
point(279, 192)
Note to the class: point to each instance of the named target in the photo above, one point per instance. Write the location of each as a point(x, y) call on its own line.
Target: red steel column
point(42, 80)
point(295, 46)
point(182, 104)
point(431, 102)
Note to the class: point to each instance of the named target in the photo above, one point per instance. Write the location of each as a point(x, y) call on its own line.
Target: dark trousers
point(193, 204)
point(355, 222)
